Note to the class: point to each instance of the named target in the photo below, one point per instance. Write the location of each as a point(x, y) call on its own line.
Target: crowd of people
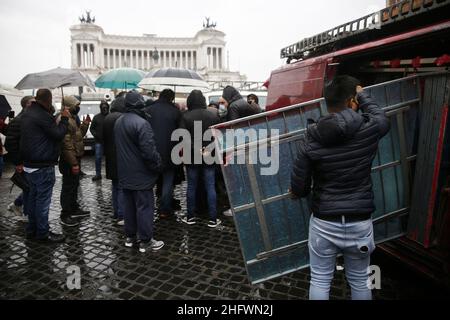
point(135, 137)
point(334, 163)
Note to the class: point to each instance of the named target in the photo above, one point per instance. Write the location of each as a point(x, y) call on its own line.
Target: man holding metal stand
point(335, 160)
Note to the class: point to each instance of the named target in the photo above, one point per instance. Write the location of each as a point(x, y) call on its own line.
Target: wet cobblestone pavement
point(196, 262)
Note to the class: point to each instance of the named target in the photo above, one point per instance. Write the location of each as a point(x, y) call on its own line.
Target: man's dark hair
point(121, 94)
point(167, 95)
point(254, 97)
point(340, 90)
point(44, 95)
point(214, 105)
point(25, 100)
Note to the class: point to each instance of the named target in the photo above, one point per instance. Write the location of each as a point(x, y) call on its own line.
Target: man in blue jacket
point(336, 159)
point(40, 148)
point(138, 167)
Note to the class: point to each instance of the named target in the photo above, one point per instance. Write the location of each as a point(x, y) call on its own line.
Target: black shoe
point(176, 204)
point(152, 245)
point(80, 214)
point(97, 178)
point(130, 242)
point(52, 238)
point(31, 236)
point(69, 222)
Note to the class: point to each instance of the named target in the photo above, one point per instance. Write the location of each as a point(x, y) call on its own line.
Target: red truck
point(408, 37)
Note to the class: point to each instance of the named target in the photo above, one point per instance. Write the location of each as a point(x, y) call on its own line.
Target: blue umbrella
point(122, 78)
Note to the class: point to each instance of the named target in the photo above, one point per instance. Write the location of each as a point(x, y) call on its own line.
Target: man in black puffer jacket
point(237, 107)
point(197, 121)
point(165, 119)
point(40, 143)
point(336, 158)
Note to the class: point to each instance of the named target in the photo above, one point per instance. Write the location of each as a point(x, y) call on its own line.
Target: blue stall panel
point(272, 227)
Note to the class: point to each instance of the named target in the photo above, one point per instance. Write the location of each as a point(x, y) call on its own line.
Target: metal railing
point(377, 20)
point(239, 85)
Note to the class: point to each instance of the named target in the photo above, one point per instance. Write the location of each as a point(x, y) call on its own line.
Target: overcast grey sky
point(34, 35)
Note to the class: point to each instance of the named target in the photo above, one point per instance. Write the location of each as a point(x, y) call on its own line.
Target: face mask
point(223, 111)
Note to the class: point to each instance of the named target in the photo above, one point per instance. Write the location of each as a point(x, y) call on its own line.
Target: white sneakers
point(214, 224)
point(153, 245)
point(143, 247)
point(190, 221)
point(211, 223)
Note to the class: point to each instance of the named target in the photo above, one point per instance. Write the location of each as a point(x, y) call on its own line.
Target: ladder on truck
point(401, 11)
point(239, 85)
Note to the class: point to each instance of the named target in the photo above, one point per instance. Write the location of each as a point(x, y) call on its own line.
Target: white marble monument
point(95, 52)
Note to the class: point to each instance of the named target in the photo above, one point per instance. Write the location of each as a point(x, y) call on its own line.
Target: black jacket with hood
point(12, 141)
point(336, 158)
point(165, 119)
point(197, 112)
point(138, 161)
point(109, 145)
point(238, 107)
point(97, 126)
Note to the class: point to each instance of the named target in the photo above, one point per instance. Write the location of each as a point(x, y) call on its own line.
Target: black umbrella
point(4, 107)
point(55, 78)
point(181, 80)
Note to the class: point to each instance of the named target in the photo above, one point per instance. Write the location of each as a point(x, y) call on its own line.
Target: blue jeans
point(1, 165)
point(38, 200)
point(98, 159)
point(167, 191)
point(326, 240)
point(117, 200)
point(139, 213)
point(209, 179)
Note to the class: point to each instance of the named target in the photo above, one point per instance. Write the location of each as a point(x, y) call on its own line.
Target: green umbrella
point(122, 78)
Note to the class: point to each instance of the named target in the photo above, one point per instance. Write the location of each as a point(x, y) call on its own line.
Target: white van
point(90, 108)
